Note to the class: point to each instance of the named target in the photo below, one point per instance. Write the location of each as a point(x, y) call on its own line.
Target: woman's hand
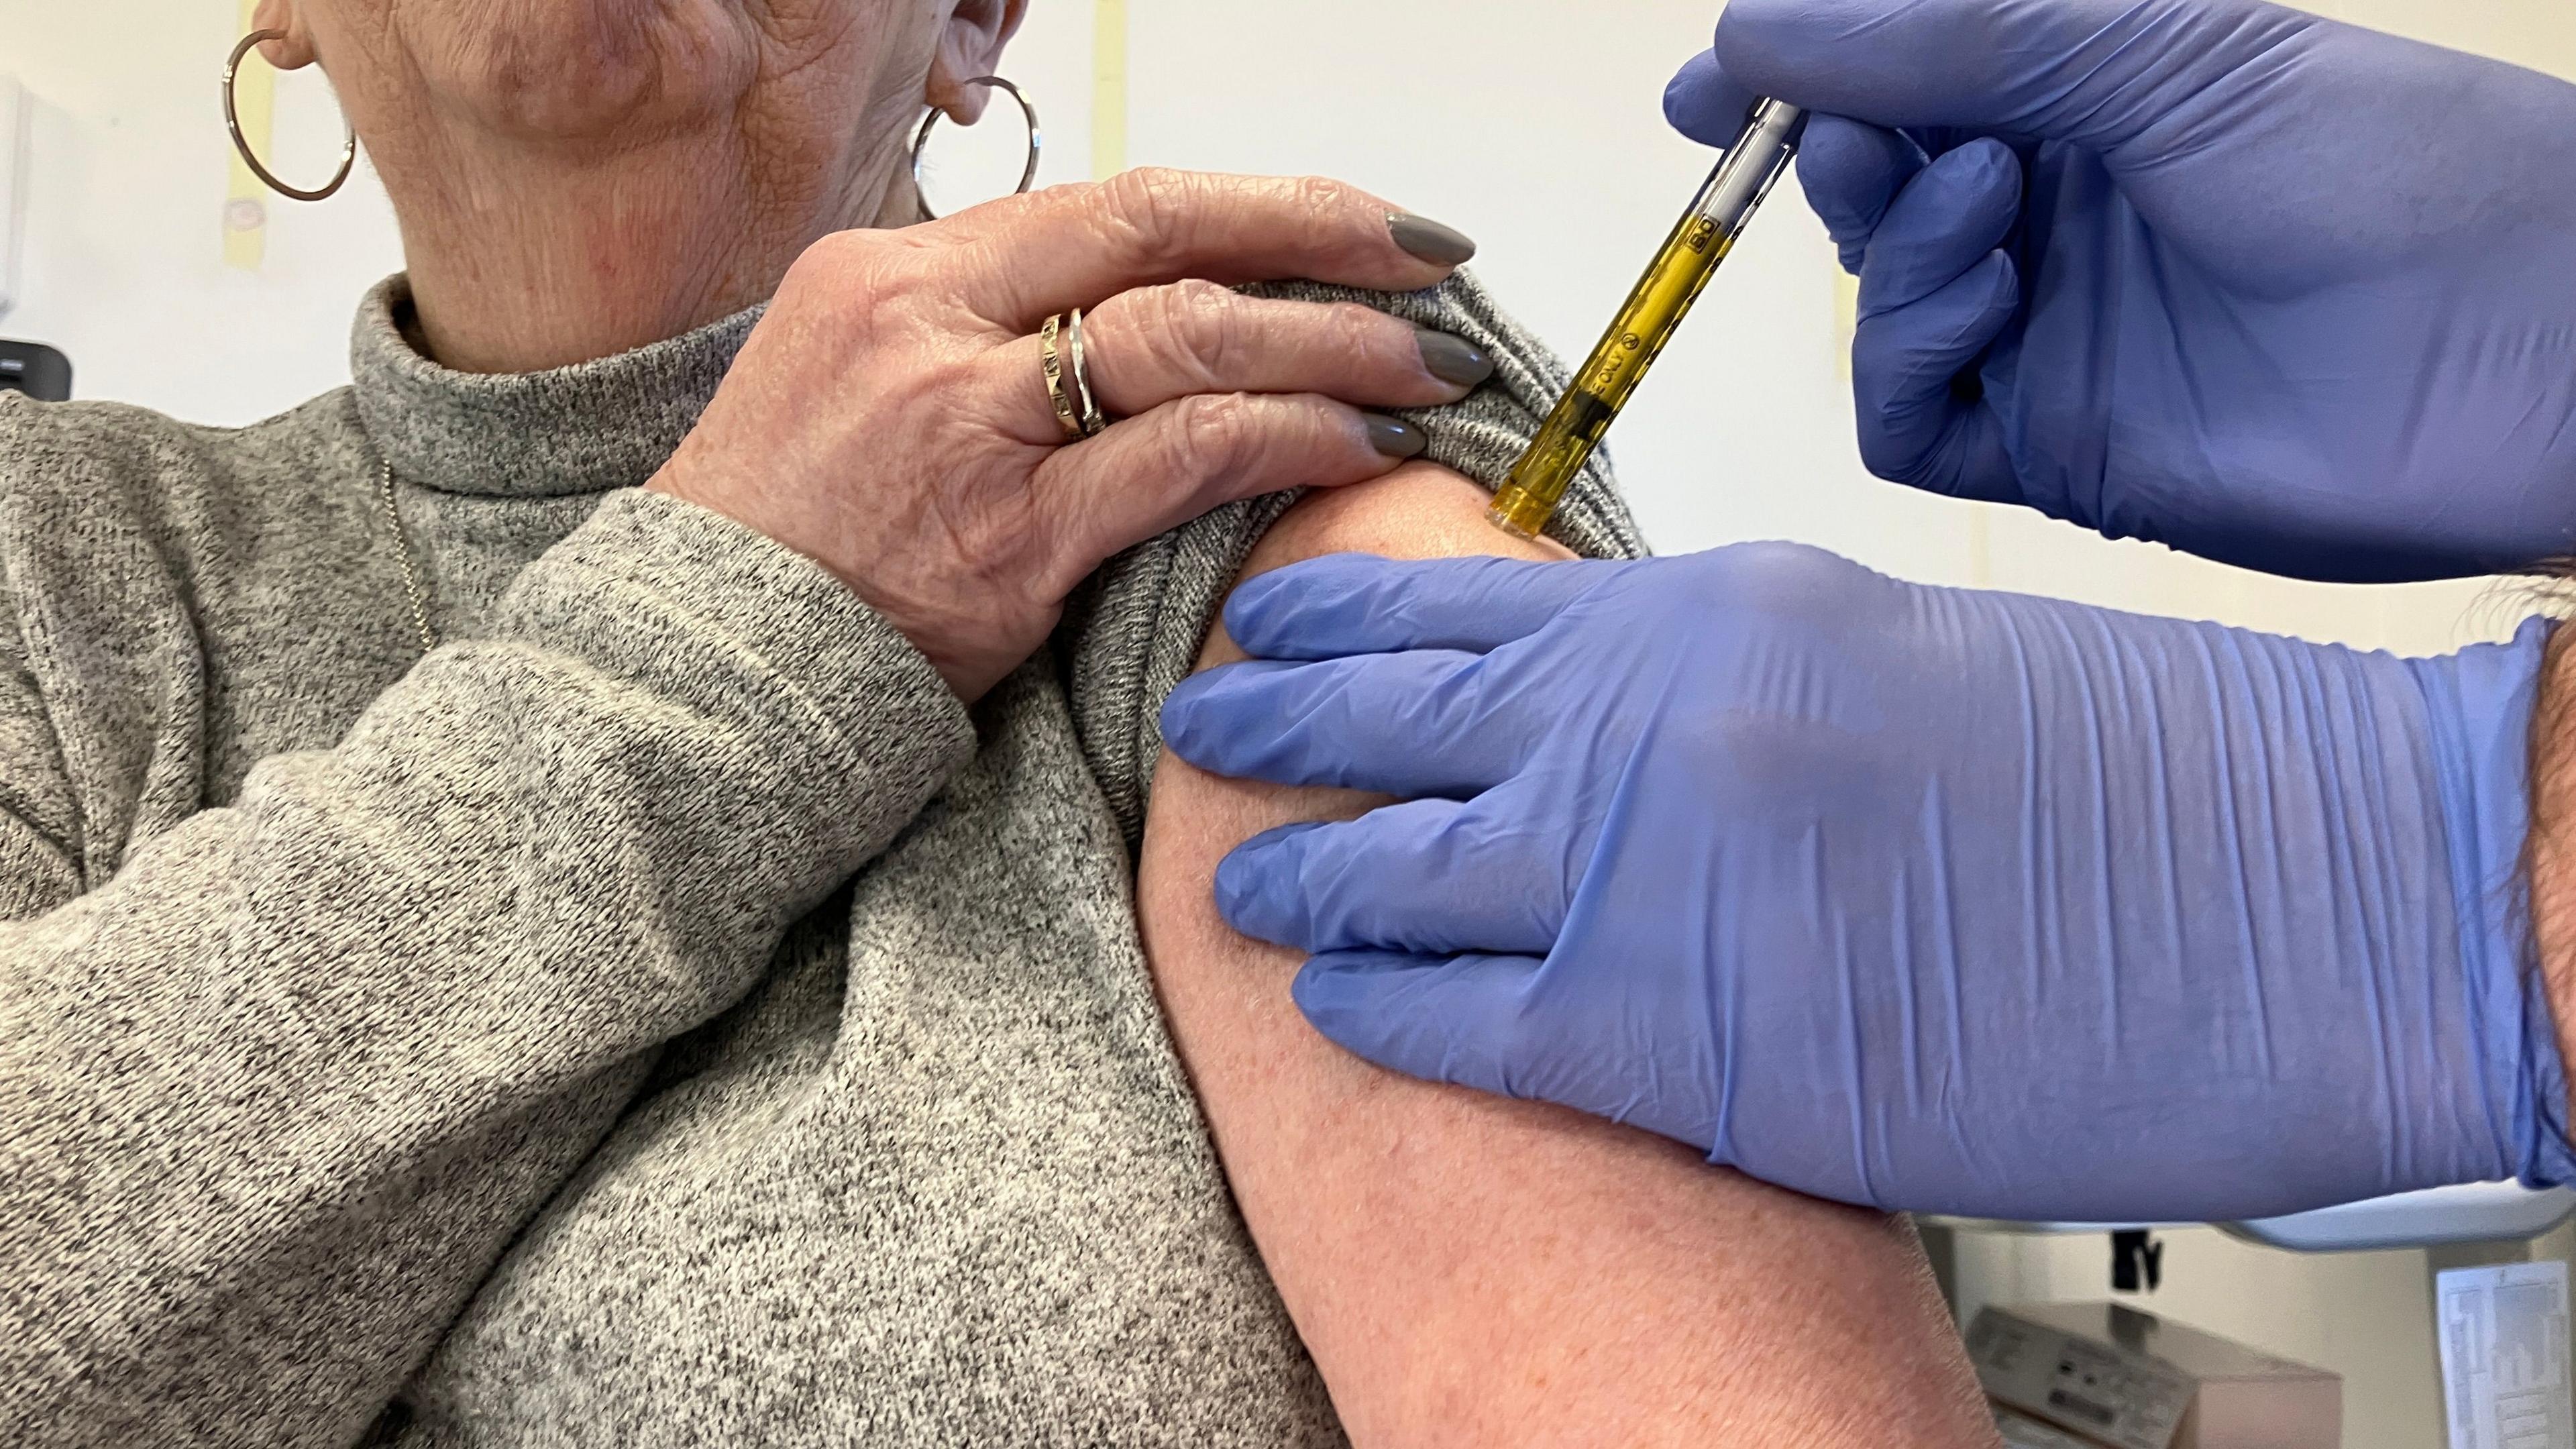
point(889, 416)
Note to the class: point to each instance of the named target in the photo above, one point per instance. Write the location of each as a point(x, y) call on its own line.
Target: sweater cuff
point(665, 584)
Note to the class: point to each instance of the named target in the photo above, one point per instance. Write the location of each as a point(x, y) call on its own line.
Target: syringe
point(1661, 299)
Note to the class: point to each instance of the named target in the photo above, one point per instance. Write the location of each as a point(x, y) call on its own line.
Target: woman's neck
point(520, 262)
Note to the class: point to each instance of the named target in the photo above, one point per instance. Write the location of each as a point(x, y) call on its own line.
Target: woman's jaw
point(575, 178)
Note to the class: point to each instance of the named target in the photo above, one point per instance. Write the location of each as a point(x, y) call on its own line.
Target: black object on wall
point(36, 370)
point(2136, 1255)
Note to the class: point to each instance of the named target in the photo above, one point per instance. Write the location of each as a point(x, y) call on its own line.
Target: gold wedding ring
point(1051, 362)
point(1060, 357)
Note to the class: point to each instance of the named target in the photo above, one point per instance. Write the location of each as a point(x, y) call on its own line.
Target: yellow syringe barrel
point(1661, 298)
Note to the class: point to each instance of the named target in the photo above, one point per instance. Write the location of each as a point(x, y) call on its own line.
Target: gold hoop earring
point(241, 144)
point(1028, 173)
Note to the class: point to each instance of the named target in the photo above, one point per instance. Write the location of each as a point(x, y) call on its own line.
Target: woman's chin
point(592, 69)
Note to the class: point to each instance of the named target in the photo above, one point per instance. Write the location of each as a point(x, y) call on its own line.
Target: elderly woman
point(585, 889)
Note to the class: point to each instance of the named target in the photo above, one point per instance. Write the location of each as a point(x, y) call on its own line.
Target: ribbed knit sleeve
point(275, 1095)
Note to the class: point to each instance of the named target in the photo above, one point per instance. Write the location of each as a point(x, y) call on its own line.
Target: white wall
point(1532, 124)
point(124, 252)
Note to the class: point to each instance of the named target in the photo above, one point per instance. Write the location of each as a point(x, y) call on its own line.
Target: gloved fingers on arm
point(1447, 1019)
point(1915, 426)
point(1413, 725)
point(2098, 73)
point(1432, 877)
point(1943, 222)
point(1356, 603)
point(1851, 172)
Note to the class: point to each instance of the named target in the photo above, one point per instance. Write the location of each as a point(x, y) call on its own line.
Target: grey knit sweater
point(663, 1015)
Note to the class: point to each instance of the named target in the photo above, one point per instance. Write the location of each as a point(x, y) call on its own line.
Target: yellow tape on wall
point(1108, 88)
point(245, 200)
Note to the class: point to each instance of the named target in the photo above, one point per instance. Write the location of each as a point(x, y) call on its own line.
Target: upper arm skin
point(1469, 1270)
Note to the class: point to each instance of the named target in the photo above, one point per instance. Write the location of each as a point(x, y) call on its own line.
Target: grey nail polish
point(1453, 359)
point(1394, 437)
point(1430, 240)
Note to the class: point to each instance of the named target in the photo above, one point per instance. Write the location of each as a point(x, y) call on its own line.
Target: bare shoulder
point(1483, 435)
point(1421, 510)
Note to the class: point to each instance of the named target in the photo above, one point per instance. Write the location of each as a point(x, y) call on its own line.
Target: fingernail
point(1429, 240)
point(1233, 882)
point(1453, 359)
point(1394, 437)
point(1246, 878)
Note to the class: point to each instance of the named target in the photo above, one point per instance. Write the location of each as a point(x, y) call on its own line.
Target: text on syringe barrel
point(1647, 320)
point(1618, 363)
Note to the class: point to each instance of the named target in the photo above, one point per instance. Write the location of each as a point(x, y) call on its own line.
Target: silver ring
point(232, 123)
point(1092, 419)
point(1028, 173)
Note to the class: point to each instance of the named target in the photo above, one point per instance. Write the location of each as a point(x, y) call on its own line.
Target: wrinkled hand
point(889, 415)
point(1925, 898)
point(2276, 290)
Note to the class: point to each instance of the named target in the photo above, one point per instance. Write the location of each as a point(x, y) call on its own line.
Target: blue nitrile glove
point(2283, 292)
point(1928, 898)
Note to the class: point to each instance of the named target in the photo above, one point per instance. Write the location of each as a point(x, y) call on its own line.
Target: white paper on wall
point(2505, 1356)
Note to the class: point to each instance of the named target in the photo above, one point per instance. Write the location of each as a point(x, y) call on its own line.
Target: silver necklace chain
point(410, 566)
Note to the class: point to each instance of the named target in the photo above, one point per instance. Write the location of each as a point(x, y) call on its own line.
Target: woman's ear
point(295, 51)
point(970, 46)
